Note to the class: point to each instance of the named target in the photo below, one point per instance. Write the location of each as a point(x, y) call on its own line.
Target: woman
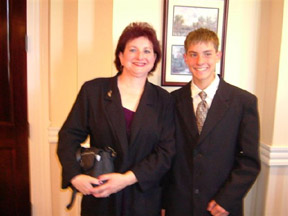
point(135, 118)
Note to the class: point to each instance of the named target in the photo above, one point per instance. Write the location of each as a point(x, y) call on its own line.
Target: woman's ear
point(120, 55)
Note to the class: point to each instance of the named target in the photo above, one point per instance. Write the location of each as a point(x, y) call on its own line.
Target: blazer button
point(196, 191)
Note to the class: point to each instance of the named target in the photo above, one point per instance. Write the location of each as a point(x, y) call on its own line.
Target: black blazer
point(223, 162)
point(98, 113)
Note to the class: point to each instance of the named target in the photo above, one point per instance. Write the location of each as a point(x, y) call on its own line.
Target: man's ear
point(185, 57)
point(219, 54)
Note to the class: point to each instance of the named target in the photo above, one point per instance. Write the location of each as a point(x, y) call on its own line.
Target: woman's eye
point(147, 51)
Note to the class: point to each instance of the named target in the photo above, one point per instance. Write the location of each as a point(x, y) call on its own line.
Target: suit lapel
point(219, 106)
point(115, 114)
point(185, 111)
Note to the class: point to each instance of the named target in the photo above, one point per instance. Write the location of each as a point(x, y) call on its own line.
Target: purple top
point(128, 118)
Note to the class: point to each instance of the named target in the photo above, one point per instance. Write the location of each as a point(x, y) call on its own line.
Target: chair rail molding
point(270, 155)
point(53, 135)
point(274, 155)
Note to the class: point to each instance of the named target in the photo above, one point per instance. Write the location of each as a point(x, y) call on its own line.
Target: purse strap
point(81, 151)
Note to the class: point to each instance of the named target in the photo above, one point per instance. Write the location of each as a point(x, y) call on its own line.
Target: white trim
point(274, 155)
point(53, 135)
point(38, 106)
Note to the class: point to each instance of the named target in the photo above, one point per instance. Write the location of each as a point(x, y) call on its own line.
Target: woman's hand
point(112, 183)
point(83, 183)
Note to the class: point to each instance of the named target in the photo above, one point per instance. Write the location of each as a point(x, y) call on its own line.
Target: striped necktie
point(201, 111)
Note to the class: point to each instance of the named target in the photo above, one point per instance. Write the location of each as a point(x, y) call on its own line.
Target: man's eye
point(132, 50)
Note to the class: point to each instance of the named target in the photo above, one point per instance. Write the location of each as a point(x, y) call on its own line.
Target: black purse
point(94, 162)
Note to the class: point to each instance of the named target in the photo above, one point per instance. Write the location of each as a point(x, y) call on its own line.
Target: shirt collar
point(210, 90)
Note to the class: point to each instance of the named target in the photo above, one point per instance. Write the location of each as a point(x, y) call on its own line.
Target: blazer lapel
point(219, 106)
point(143, 112)
point(184, 105)
point(115, 114)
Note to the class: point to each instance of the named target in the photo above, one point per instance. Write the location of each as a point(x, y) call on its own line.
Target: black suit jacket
point(223, 162)
point(98, 113)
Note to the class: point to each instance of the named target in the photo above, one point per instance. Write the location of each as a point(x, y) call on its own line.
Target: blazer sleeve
point(247, 162)
point(73, 132)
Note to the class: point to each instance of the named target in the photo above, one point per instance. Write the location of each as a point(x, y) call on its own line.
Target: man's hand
point(216, 209)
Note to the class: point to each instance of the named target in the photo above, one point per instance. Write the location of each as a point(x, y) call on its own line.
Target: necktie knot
point(203, 95)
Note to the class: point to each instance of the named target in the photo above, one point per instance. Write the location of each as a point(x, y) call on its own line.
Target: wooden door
point(14, 168)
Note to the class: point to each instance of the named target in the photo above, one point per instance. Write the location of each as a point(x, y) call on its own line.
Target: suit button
point(196, 191)
point(197, 154)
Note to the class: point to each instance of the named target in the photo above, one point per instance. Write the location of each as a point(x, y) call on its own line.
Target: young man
point(217, 161)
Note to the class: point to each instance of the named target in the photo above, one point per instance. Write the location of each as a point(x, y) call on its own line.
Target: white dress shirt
point(210, 91)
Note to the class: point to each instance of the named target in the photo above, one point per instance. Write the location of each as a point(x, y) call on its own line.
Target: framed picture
point(181, 17)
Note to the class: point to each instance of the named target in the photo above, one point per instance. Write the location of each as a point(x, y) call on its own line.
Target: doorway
point(14, 130)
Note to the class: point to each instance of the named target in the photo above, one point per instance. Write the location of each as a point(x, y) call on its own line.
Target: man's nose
point(200, 59)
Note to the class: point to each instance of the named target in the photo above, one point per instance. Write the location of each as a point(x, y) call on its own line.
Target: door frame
point(38, 105)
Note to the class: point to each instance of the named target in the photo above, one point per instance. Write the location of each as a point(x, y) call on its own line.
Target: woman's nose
point(140, 55)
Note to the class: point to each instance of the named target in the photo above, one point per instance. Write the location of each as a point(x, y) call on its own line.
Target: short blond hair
point(201, 35)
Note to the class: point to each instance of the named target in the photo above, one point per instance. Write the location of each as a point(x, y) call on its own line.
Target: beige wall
point(275, 183)
point(80, 50)
point(73, 41)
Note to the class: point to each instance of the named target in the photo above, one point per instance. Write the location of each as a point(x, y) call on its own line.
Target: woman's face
point(138, 57)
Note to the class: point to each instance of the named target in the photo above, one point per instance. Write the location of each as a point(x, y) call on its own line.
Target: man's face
point(201, 59)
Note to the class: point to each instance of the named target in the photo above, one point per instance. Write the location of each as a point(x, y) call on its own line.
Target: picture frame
point(181, 17)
